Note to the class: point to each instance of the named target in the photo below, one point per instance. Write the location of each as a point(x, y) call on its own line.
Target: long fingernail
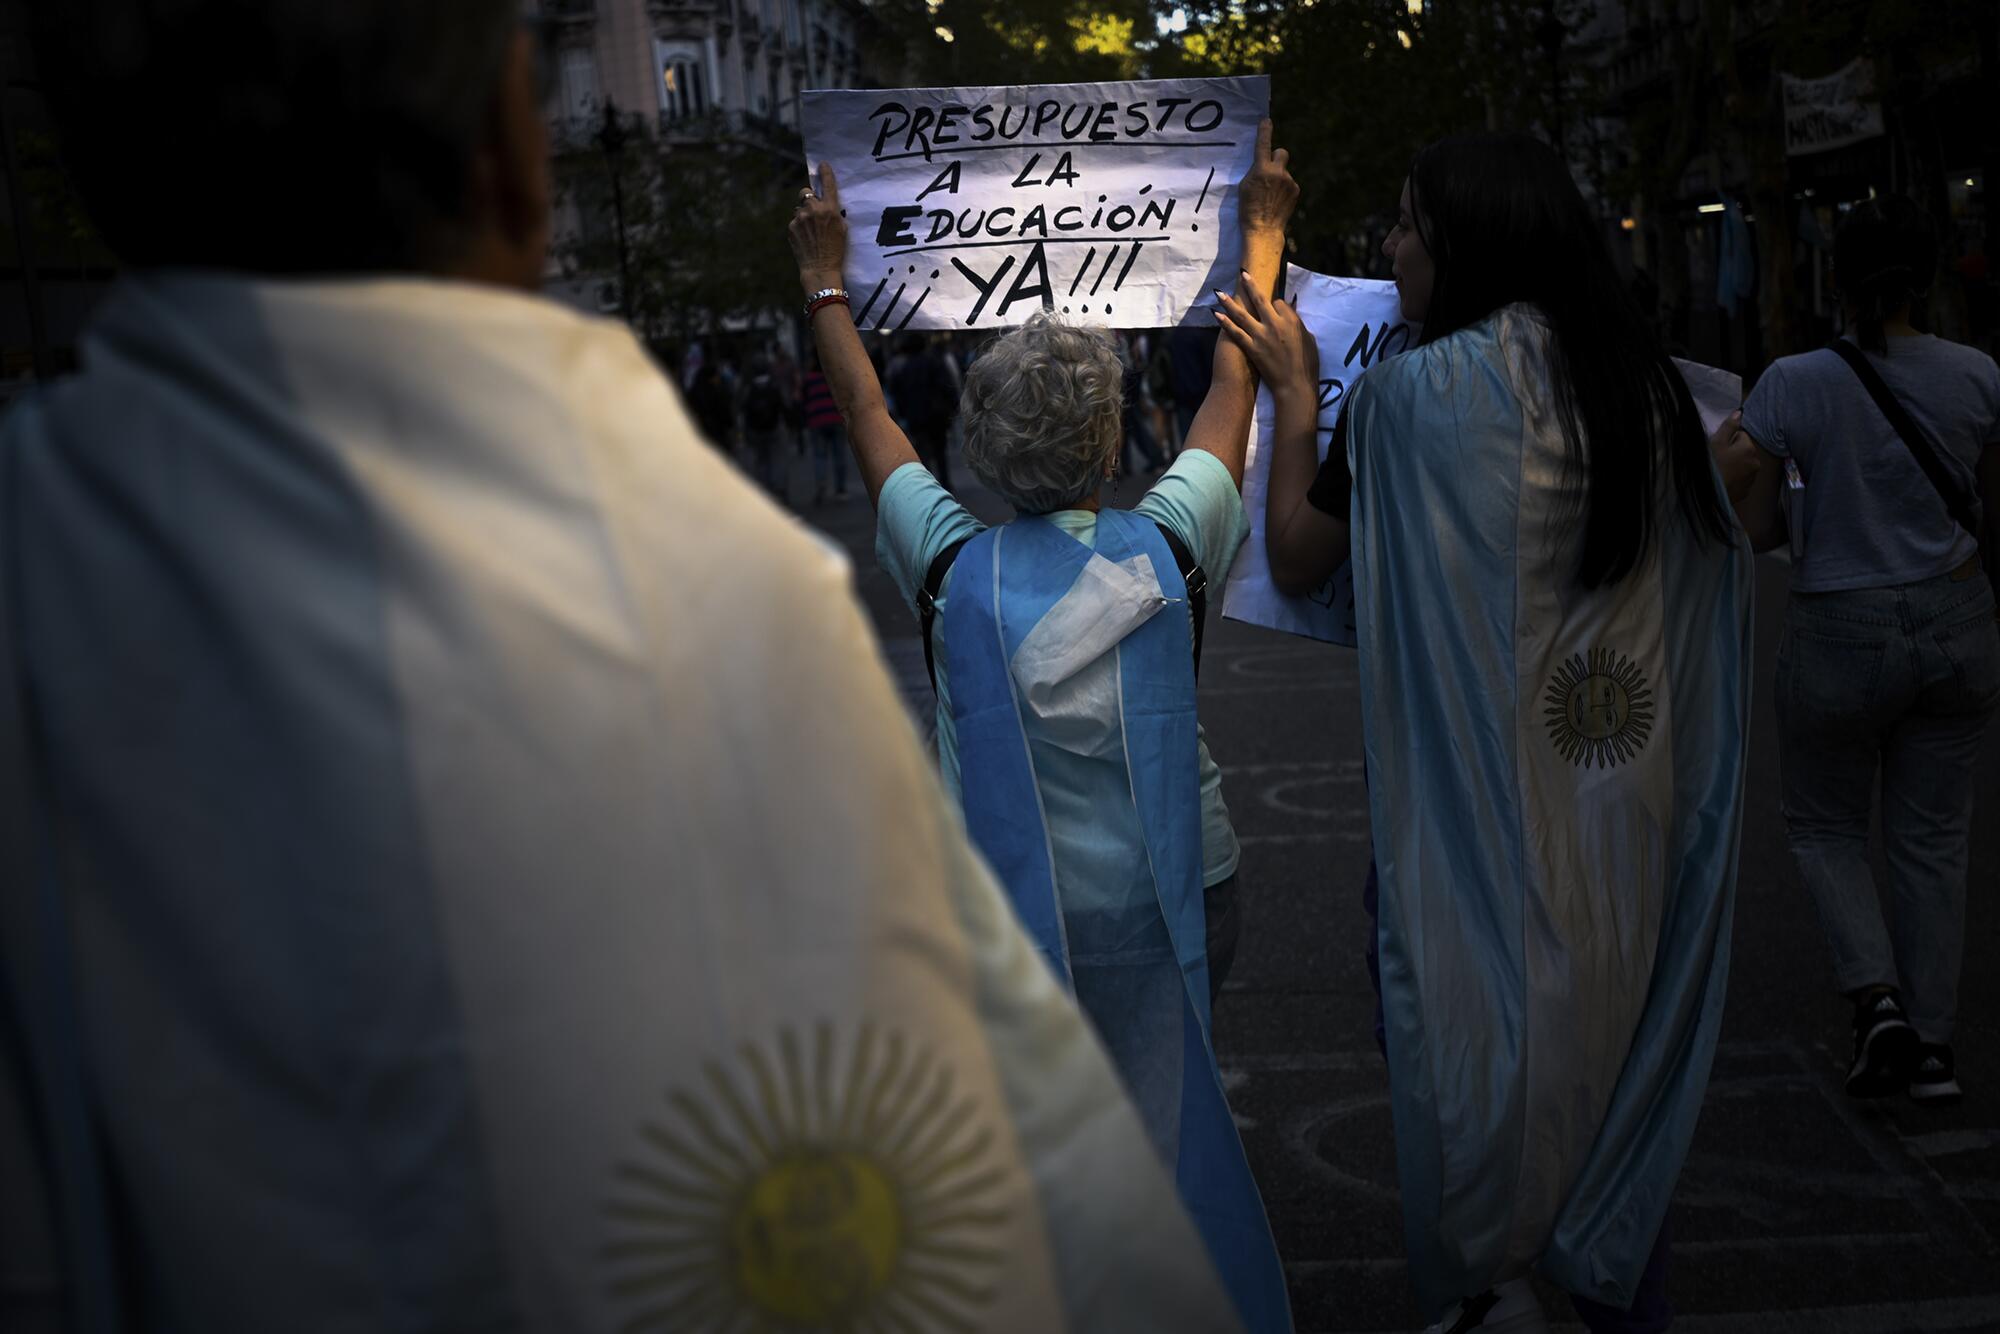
point(1220, 295)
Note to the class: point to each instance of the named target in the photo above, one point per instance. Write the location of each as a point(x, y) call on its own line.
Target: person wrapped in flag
point(463, 862)
point(1062, 649)
point(1553, 606)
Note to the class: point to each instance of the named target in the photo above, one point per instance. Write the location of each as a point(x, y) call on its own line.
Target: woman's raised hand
point(819, 233)
point(1273, 337)
point(1267, 195)
point(1736, 456)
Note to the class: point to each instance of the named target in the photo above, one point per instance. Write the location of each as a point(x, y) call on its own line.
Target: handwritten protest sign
point(1357, 322)
point(1112, 203)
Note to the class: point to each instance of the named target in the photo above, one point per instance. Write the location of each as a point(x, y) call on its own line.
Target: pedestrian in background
point(824, 431)
point(1879, 458)
point(761, 406)
point(926, 393)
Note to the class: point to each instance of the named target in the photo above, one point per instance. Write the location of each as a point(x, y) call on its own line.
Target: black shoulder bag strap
point(1192, 575)
point(1914, 439)
point(1196, 580)
point(927, 603)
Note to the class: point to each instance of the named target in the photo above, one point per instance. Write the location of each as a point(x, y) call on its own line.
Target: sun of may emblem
point(1600, 710)
point(854, 1196)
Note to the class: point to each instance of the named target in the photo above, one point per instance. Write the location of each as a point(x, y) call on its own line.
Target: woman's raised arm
point(819, 242)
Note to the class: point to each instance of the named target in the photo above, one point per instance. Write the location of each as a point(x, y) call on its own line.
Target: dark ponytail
point(1884, 257)
point(1504, 222)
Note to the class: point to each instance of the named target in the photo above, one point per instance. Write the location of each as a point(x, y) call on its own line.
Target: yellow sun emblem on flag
point(850, 1196)
point(1600, 709)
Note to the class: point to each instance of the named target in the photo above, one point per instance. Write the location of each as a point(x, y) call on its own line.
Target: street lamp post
point(611, 138)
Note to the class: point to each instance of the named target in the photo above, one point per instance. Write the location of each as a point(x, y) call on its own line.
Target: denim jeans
point(829, 449)
point(1901, 682)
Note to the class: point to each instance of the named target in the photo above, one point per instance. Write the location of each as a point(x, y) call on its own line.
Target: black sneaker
point(1935, 1078)
point(1885, 1047)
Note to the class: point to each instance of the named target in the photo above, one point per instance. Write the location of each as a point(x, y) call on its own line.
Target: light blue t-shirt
point(1196, 498)
point(1872, 518)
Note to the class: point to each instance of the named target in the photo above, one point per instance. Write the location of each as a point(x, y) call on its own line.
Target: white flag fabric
point(972, 208)
point(1356, 322)
point(504, 888)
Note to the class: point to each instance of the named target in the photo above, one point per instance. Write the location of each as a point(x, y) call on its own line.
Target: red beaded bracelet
point(821, 299)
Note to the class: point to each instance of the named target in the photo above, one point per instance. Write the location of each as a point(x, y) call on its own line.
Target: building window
point(578, 83)
point(683, 80)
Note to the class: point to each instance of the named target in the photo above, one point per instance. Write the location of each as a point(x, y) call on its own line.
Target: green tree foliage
point(1357, 86)
point(704, 218)
point(974, 42)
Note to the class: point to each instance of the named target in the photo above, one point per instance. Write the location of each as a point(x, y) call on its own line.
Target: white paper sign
point(1357, 322)
point(972, 208)
point(1833, 112)
point(1716, 393)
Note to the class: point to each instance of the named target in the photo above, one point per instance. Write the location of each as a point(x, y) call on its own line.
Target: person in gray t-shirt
point(1891, 659)
point(1871, 519)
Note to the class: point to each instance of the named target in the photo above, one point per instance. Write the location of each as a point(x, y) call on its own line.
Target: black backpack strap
point(927, 603)
point(1196, 580)
point(1914, 439)
point(1192, 575)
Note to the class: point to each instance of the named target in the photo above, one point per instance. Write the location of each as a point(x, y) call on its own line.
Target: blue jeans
point(829, 451)
point(1897, 681)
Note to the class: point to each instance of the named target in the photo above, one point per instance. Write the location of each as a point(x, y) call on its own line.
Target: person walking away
point(824, 430)
point(785, 374)
point(436, 892)
point(926, 394)
point(763, 411)
point(1132, 422)
point(708, 400)
point(1066, 698)
point(1880, 459)
point(1190, 353)
point(1553, 607)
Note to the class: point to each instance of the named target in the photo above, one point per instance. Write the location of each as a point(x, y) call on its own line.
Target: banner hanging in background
point(1833, 112)
point(971, 208)
point(1357, 322)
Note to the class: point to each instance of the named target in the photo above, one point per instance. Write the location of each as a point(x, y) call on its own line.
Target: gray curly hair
point(1043, 411)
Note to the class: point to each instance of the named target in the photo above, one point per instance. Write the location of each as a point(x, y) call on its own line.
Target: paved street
point(1799, 1209)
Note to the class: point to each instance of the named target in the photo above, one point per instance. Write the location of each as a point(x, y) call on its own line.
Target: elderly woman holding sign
point(1066, 698)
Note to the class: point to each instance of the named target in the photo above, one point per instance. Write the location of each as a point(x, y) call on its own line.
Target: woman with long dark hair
point(1890, 662)
point(1553, 613)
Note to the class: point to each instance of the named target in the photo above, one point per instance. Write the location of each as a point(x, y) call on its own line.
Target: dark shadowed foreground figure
point(439, 891)
point(1553, 608)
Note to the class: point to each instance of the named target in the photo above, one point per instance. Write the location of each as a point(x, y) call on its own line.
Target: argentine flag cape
point(1050, 639)
point(1556, 781)
point(466, 867)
